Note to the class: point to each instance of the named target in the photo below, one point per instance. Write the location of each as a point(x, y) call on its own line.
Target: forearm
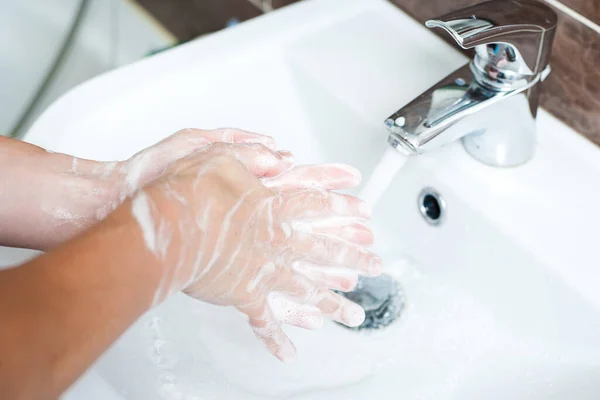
point(60, 311)
point(47, 198)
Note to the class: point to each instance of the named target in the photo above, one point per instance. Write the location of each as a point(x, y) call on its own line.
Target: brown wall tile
point(282, 3)
point(188, 19)
point(572, 91)
point(588, 8)
point(422, 10)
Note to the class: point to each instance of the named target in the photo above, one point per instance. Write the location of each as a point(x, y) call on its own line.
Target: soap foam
point(440, 333)
point(140, 208)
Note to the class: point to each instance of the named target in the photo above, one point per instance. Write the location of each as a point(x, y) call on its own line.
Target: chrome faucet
point(491, 102)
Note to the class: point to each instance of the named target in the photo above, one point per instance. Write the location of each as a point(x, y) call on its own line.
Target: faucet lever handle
point(512, 36)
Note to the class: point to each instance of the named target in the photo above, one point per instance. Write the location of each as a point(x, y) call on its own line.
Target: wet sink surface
point(502, 298)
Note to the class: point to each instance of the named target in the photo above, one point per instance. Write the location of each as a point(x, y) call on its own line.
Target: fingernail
point(287, 353)
point(287, 156)
point(354, 315)
point(356, 175)
point(346, 175)
point(270, 144)
point(264, 140)
point(360, 235)
point(350, 284)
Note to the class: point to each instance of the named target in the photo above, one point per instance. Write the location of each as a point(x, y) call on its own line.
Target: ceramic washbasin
point(502, 298)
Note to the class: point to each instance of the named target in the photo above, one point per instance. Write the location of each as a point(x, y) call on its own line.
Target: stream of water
point(383, 174)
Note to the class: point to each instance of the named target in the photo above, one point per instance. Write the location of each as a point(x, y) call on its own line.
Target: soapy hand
point(298, 264)
point(269, 249)
point(148, 164)
point(231, 224)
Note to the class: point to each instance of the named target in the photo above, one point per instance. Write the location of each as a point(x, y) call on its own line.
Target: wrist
point(168, 232)
point(79, 194)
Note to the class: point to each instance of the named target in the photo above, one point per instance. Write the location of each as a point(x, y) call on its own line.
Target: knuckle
point(226, 134)
point(189, 131)
point(219, 147)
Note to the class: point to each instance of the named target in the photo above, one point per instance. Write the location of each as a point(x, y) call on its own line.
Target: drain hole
point(432, 206)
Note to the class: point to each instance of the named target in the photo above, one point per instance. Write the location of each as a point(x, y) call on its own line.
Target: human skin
point(61, 310)
point(47, 198)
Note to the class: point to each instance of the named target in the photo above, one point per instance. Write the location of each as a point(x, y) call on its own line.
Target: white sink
point(502, 299)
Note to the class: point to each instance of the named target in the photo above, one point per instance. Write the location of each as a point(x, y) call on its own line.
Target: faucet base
point(503, 134)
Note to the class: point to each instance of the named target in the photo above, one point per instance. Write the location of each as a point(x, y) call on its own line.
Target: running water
point(381, 298)
point(383, 174)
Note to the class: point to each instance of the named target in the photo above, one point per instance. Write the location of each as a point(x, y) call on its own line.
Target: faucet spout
point(461, 107)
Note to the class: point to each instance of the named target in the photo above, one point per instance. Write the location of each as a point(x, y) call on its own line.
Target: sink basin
point(502, 298)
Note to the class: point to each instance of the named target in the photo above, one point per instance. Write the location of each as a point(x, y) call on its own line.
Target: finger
point(326, 176)
point(342, 279)
point(329, 251)
point(321, 204)
point(332, 305)
point(147, 164)
point(268, 330)
point(259, 159)
point(228, 135)
point(288, 159)
point(348, 229)
point(288, 312)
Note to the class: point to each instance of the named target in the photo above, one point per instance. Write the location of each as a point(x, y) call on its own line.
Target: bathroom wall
point(112, 33)
point(27, 53)
point(572, 92)
point(188, 19)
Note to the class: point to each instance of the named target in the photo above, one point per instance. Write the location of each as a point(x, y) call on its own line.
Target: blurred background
point(50, 46)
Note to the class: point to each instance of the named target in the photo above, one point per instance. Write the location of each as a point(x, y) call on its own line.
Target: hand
point(225, 238)
point(150, 163)
point(210, 227)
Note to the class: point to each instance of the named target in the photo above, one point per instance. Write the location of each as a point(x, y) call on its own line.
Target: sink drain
point(382, 299)
point(432, 206)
